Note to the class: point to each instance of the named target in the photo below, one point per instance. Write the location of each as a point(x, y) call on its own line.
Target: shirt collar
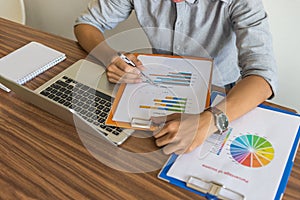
point(191, 1)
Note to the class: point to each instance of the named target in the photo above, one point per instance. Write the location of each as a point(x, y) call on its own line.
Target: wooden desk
point(44, 158)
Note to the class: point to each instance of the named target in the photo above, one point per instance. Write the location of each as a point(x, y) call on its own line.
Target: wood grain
point(42, 157)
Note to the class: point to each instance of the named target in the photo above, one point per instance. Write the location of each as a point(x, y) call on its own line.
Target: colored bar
point(161, 108)
point(169, 105)
point(173, 79)
point(176, 98)
point(185, 73)
point(169, 101)
point(225, 140)
point(180, 76)
point(172, 83)
point(171, 75)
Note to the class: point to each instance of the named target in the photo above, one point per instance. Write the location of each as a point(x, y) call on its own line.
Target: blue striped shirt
point(235, 33)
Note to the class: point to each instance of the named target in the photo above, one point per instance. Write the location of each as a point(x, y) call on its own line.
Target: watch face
point(222, 122)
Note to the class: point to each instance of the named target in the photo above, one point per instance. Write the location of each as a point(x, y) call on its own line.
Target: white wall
point(54, 16)
point(284, 18)
point(57, 16)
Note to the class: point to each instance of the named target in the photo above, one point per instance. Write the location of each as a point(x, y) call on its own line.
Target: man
point(233, 32)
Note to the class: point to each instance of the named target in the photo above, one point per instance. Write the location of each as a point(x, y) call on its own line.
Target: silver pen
point(129, 62)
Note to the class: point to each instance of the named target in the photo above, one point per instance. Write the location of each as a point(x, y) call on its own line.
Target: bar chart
point(169, 103)
point(173, 78)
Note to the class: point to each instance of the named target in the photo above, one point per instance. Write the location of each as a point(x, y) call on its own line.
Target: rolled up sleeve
point(254, 41)
point(105, 14)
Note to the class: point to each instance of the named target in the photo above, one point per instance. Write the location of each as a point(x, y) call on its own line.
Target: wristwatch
point(221, 120)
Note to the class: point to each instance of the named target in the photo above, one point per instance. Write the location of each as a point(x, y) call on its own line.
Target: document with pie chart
point(253, 157)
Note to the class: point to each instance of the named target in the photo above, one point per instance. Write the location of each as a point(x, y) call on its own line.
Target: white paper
point(183, 88)
point(217, 159)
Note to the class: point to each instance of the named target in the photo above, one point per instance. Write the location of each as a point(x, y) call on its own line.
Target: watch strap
point(216, 113)
point(214, 110)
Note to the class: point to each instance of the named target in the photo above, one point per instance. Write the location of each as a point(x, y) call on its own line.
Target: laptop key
point(63, 84)
point(56, 98)
point(45, 93)
point(116, 132)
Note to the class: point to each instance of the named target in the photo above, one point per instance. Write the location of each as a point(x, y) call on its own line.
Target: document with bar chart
point(253, 158)
point(181, 85)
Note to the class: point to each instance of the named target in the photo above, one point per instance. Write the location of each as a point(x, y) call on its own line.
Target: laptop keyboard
point(89, 103)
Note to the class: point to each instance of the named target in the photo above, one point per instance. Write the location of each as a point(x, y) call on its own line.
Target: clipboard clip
point(213, 189)
point(141, 123)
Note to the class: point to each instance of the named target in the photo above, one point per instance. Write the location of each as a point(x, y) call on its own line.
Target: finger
point(167, 133)
point(180, 152)
point(165, 139)
point(116, 75)
point(177, 148)
point(169, 128)
point(135, 60)
point(113, 76)
point(172, 148)
point(122, 65)
point(114, 69)
point(126, 67)
point(139, 64)
point(132, 76)
point(160, 132)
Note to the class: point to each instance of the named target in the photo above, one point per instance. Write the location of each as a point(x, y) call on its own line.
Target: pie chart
point(252, 151)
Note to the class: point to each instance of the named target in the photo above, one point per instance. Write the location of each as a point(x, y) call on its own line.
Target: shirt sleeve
point(254, 40)
point(105, 14)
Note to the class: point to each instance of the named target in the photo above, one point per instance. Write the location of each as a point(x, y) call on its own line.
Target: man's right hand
point(119, 71)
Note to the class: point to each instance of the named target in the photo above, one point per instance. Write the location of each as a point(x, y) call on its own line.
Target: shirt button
point(179, 23)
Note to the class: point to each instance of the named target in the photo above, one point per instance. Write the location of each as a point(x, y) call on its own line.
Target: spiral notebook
point(28, 62)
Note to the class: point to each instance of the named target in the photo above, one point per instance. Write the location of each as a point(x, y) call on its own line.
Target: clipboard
point(142, 123)
point(213, 190)
point(194, 184)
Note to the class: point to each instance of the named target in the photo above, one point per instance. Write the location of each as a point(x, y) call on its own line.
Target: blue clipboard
point(284, 180)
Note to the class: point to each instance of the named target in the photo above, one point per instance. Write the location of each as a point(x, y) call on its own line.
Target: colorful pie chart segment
point(252, 151)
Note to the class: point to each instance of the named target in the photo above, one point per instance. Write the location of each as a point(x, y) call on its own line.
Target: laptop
point(81, 95)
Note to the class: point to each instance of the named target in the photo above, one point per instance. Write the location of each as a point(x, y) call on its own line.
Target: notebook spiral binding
point(34, 74)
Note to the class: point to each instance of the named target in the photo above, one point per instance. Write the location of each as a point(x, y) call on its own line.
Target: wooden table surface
point(42, 157)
